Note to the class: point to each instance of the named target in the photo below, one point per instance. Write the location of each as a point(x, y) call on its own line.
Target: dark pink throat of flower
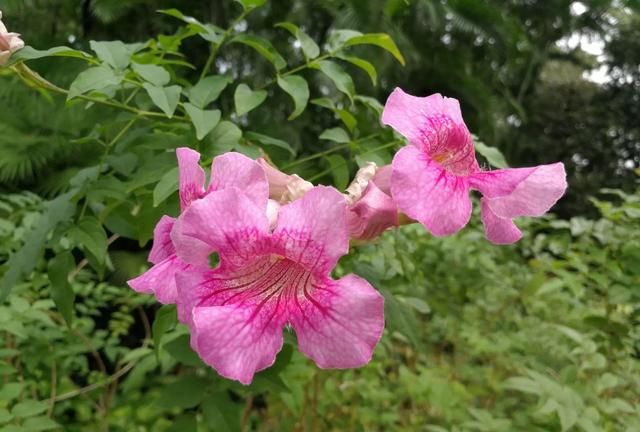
point(449, 144)
point(267, 280)
point(4, 44)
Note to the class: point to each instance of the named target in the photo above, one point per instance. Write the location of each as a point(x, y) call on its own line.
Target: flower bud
point(9, 43)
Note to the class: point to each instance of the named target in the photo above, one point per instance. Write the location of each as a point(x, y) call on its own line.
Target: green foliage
point(543, 335)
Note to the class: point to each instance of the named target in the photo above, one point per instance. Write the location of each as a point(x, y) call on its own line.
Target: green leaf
point(165, 98)
point(164, 321)
point(247, 99)
point(156, 75)
point(308, 45)
point(263, 47)
point(62, 294)
point(40, 423)
point(10, 391)
point(224, 137)
point(221, 414)
point(347, 118)
point(185, 393)
point(90, 234)
point(208, 32)
point(95, 78)
point(382, 40)
point(491, 154)
point(113, 53)
point(523, 384)
point(401, 319)
point(298, 89)
point(30, 53)
point(337, 74)
point(180, 349)
point(339, 171)
point(22, 262)
point(338, 135)
point(267, 140)
point(5, 416)
point(369, 68)
point(203, 120)
point(184, 423)
point(338, 38)
point(29, 408)
point(208, 90)
point(167, 185)
point(251, 4)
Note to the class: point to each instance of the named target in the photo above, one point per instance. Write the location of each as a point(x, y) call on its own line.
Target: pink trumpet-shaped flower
point(268, 279)
point(431, 178)
point(372, 210)
point(9, 43)
point(228, 170)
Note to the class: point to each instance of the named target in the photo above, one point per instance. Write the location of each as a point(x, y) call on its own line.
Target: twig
point(95, 386)
point(54, 385)
point(245, 414)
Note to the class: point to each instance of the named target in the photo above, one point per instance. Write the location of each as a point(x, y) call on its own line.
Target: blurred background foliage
point(543, 335)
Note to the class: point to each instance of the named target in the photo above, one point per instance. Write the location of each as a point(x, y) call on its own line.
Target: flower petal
point(162, 245)
point(192, 176)
point(237, 341)
point(224, 221)
point(159, 280)
point(340, 323)
point(407, 114)
point(498, 230)
point(237, 170)
point(372, 214)
point(312, 230)
point(522, 191)
point(428, 193)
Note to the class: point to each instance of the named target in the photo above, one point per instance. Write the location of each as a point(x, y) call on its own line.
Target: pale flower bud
point(9, 43)
point(284, 188)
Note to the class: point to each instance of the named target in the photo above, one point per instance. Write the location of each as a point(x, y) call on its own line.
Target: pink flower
point(9, 43)
point(372, 210)
point(432, 176)
point(230, 169)
point(268, 279)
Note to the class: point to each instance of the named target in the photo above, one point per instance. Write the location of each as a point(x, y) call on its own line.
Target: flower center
point(449, 144)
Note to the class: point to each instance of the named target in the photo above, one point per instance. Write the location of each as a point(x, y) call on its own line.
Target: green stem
point(215, 48)
point(28, 74)
point(303, 66)
point(327, 171)
point(329, 151)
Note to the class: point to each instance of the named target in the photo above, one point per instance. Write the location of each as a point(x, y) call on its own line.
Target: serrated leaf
point(338, 135)
point(308, 45)
point(167, 185)
point(29, 408)
point(366, 66)
point(267, 140)
point(263, 47)
point(337, 74)
point(491, 154)
point(164, 320)
point(339, 171)
point(22, 262)
point(95, 78)
point(90, 234)
point(247, 99)
point(156, 75)
point(382, 40)
point(298, 89)
point(208, 90)
point(62, 294)
point(165, 98)
point(203, 120)
point(113, 53)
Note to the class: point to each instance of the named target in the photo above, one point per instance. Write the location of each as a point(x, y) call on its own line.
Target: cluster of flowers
point(9, 43)
point(278, 237)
